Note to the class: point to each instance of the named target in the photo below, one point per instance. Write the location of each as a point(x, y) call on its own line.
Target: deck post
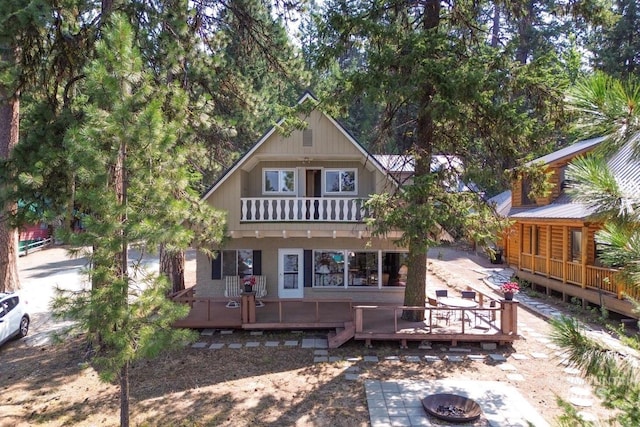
point(358, 319)
point(248, 307)
point(509, 317)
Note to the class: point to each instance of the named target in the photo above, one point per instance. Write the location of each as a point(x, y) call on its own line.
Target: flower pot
point(248, 287)
point(508, 296)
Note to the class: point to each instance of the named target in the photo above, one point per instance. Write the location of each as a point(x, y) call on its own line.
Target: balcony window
point(279, 181)
point(237, 262)
point(340, 181)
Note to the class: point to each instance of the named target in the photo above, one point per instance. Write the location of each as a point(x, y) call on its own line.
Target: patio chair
point(469, 295)
point(440, 293)
point(489, 315)
point(440, 314)
point(232, 290)
point(260, 289)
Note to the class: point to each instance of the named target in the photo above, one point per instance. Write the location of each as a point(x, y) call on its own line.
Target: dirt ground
point(51, 385)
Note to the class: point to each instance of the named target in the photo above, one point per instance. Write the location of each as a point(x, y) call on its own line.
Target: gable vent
point(307, 138)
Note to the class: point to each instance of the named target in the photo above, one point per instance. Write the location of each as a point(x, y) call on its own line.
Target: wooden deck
point(353, 320)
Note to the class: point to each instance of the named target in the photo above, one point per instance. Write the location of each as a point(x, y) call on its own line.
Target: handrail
point(39, 244)
point(360, 309)
point(319, 209)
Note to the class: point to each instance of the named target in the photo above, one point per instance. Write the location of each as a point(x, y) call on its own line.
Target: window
point(576, 245)
point(535, 240)
point(394, 268)
point(526, 189)
point(281, 181)
point(340, 181)
point(363, 269)
point(237, 263)
point(328, 267)
point(346, 268)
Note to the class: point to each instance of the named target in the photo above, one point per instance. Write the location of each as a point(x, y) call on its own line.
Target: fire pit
point(451, 407)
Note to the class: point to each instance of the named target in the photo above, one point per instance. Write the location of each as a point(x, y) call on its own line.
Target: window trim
point(340, 171)
point(280, 172)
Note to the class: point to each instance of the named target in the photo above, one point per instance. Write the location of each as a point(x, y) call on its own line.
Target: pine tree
point(442, 90)
point(605, 106)
point(134, 185)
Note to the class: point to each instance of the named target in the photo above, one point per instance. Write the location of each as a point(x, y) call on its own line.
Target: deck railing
point(571, 272)
point(574, 273)
point(601, 278)
point(556, 269)
point(431, 315)
point(540, 264)
point(319, 209)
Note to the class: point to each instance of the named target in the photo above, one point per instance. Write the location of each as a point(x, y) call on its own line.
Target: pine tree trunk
point(414, 294)
point(172, 265)
point(124, 395)
point(9, 128)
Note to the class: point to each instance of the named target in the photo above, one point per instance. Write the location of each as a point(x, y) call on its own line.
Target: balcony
point(302, 209)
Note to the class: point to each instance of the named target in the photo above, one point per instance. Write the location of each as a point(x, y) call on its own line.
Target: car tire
point(24, 327)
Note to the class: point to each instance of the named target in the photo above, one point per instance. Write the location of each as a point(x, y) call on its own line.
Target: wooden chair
point(232, 290)
point(261, 290)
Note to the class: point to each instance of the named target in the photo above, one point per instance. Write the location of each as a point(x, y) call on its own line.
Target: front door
point(290, 273)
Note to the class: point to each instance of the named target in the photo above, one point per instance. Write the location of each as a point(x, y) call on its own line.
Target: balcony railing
point(290, 209)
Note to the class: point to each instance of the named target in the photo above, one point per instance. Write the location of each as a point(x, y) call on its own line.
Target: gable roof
point(623, 164)
point(306, 96)
point(570, 151)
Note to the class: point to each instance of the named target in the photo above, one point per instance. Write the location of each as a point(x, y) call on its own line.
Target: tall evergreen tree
point(616, 45)
point(20, 28)
point(134, 185)
point(443, 90)
point(607, 107)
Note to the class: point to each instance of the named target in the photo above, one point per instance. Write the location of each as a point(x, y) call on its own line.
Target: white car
point(14, 320)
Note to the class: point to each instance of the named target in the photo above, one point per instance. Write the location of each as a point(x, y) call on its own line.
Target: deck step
point(341, 335)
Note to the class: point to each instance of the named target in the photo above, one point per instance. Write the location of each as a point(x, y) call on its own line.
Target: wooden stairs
point(341, 335)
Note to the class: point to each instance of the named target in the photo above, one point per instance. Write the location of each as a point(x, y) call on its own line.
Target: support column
point(509, 317)
point(549, 249)
point(584, 255)
point(248, 307)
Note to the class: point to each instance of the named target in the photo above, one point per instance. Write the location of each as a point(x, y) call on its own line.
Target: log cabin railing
point(599, 278)
point(540, 264)
point(556, 269)
point(317, 209)
point(526, 262)
point(574, 273)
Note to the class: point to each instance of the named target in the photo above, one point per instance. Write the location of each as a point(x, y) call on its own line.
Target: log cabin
point(552, 240)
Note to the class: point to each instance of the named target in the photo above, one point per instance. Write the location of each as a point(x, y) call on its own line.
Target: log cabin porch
point(350, 319)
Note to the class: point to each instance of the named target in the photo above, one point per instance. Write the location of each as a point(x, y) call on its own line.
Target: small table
point(457, 302)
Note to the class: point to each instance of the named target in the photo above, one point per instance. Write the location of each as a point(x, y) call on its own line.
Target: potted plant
point(509, 289)
point(249, 282)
